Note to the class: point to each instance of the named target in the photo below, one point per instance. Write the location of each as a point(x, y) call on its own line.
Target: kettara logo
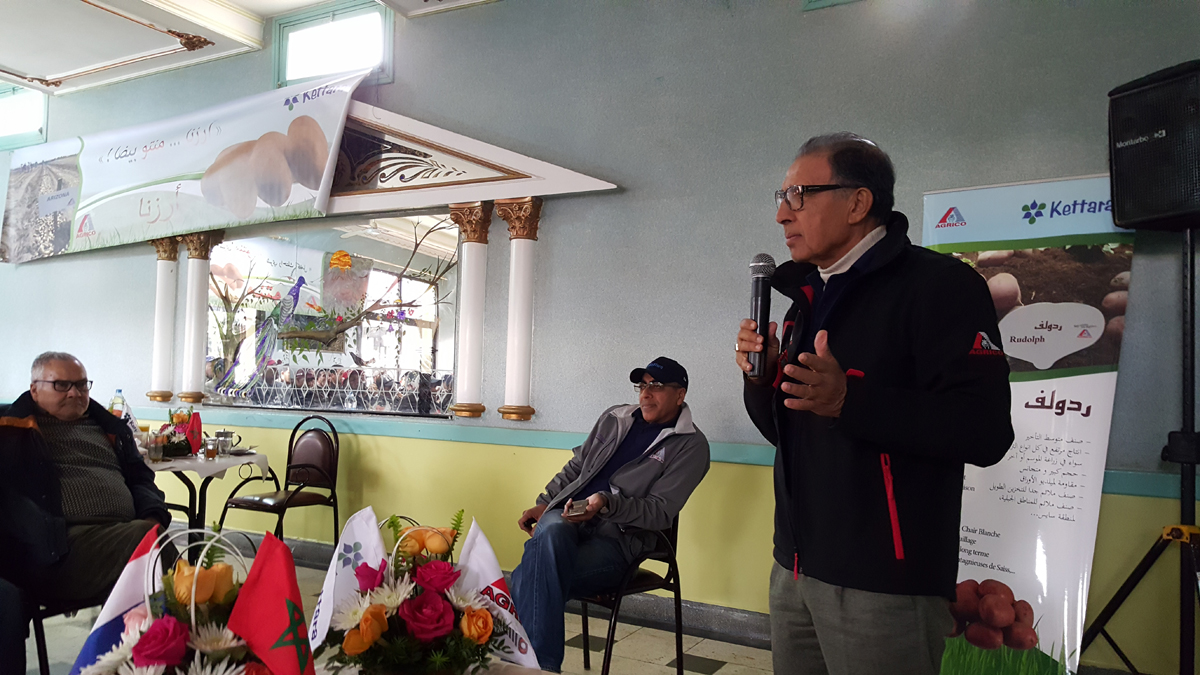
point(953, 218)
point(1033, 210)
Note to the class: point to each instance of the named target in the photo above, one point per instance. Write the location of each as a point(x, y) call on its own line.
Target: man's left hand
point(822, 383)
point(594, 504)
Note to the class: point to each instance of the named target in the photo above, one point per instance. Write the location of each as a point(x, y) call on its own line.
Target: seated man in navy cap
point(630, 477)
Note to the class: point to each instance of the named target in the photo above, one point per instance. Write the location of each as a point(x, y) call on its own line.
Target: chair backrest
point(314, 447)
point(673, 533)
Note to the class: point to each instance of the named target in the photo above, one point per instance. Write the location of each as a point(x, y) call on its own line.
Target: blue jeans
point(561, 560)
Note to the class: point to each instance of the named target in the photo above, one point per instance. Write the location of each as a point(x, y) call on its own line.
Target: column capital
point(473, 220)
point(200, 244)
point(167, 247)
point(522, 215)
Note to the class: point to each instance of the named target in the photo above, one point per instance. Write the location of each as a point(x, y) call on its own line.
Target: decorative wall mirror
point(340, 314)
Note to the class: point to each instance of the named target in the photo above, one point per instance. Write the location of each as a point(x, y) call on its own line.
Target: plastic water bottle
point(118, 406)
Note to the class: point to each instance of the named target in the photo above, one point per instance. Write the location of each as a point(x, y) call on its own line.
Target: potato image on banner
point(229, 182)
point(309, 151)
point(272, 174)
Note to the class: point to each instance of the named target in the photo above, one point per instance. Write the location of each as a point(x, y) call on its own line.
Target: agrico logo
point(953, 218)
point(1032, 211)
point(85, 227)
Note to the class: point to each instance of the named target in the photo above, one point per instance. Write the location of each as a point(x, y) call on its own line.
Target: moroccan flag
point(269, 614)
point(194, 432)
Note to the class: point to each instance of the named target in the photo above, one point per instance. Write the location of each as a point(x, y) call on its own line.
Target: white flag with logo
point(360, 543)
point(481, 573)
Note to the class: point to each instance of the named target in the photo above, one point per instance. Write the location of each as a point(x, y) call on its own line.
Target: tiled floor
point(639, 651)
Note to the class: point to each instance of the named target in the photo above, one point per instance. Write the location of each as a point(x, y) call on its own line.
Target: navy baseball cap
point(662, 369)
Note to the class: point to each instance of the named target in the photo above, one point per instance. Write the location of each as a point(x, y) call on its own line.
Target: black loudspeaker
point(1154, 150)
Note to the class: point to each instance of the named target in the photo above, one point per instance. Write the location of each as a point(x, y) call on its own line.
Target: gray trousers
point(96, 557)
point(820, 629)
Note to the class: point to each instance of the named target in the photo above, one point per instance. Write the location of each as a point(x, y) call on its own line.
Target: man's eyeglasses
point(64, 386)
point(654, 387)
point(795, 194)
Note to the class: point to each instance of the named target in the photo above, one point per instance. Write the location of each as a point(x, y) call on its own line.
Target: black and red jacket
point(871, 500)
point(33, 531)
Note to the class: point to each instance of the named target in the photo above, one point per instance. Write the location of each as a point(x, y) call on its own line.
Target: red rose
point(437, 576)
point(368, 577)
point(164, 644)
point(428, 616)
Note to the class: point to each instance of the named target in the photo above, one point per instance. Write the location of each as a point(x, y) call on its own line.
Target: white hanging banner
point(262, 158)
point(1059, 272)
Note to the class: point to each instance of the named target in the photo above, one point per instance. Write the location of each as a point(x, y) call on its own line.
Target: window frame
point(28, 138)
point(286, 24)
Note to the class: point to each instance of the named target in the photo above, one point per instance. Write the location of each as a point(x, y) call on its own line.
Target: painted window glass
point(358, 318)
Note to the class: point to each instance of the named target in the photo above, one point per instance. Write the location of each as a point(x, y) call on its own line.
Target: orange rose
point(353, 644)
point(370, 628)
point(205, 580)
point(476, 625)
point(412, 541)
point(438, 540)
point(223, 581)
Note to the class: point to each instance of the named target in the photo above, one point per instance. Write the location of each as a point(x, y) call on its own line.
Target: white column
point(522, 216)
point(195, 324)
point(473, 220)
point(164, 319)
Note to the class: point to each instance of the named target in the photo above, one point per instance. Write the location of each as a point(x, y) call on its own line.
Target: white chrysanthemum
point(130, 669)
point(350, 614)
point(202, 666)
point(210, 637)
point(463, 599)
point(391, 593)
point(119, 655)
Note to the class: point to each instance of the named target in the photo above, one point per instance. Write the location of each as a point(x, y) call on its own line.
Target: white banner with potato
point(1059, 273)
point(262, 158)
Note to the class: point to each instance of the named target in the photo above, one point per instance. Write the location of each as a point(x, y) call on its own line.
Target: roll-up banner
point(262, 158)
point(1059, 272)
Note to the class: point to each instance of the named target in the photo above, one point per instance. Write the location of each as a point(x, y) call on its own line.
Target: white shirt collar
point(873, 237)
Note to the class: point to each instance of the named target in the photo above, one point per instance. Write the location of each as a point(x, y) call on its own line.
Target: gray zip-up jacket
point(648, 492)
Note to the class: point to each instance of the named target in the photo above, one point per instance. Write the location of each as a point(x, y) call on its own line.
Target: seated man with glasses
point(630, 477)
point(75, 496)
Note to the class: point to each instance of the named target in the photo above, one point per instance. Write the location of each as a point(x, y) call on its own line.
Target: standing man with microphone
point(887, 382)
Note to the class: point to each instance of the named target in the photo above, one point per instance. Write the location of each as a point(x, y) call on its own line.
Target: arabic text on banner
point(262, 158)
point(1058, 272)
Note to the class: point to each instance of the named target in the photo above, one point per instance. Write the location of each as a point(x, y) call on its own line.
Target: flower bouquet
point(182, 624)
point(410, 614)
point(181, 433)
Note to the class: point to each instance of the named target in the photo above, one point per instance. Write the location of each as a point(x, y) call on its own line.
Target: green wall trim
point(1142, 484)
point(1134, 483)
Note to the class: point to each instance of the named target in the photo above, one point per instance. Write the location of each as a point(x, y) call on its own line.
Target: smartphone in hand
point(577, 508)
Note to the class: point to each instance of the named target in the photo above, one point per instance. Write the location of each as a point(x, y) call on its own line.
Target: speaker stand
point(1183, 448)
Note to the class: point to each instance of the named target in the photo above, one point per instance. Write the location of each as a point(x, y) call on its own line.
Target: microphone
point(762, 268)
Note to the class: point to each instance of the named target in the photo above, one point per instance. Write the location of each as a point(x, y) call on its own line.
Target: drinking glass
point(210, 448)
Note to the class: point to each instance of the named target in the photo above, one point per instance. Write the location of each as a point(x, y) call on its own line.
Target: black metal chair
point(638, 580)
point(38, 612)
point(312, 463)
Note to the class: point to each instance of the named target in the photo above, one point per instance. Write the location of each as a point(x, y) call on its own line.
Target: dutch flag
point(127, 595)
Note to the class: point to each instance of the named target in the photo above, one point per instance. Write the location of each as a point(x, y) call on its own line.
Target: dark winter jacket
point(647, 493)
point(871, 499)
point(33, 532)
